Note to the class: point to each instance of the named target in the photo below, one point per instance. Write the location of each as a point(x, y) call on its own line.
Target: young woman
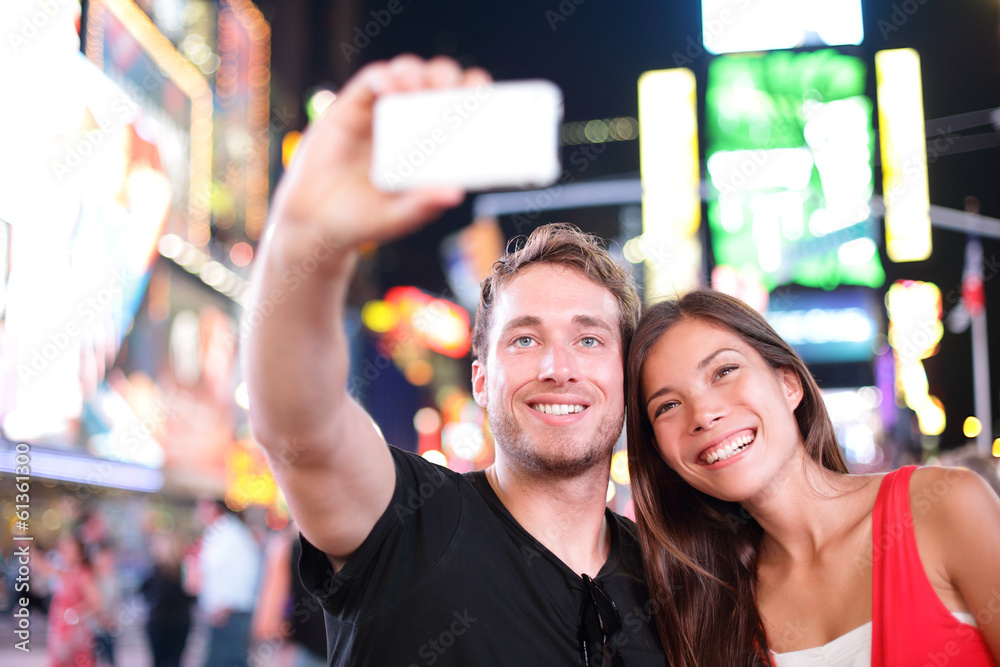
point(760, 548)
point(70, 640)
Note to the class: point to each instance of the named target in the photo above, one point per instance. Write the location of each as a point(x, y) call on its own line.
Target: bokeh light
point(972, 427)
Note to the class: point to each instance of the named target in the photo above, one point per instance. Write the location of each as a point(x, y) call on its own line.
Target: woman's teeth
point(732, 447)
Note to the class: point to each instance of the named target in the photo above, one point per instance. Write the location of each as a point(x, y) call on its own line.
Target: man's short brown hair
point(560, 244)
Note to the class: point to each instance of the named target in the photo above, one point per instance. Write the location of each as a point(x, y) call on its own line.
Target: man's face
point(551, 380)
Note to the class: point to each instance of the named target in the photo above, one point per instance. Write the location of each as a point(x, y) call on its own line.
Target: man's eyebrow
point(701, 366)
point(589, 321)
point(521, 322)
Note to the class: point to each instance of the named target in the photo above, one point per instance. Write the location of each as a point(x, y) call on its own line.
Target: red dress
point(70, 641)
point(910, 624)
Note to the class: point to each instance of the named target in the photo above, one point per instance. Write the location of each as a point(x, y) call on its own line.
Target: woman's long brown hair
point(701, 553)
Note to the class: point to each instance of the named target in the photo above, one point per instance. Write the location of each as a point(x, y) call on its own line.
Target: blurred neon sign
point(790, 165)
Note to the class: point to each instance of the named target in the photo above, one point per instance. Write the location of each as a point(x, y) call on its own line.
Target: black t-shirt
point(448, 577)
point(306, 617)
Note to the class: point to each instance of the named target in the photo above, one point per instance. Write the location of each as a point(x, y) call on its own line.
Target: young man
point(228, 571)
point(416, 565)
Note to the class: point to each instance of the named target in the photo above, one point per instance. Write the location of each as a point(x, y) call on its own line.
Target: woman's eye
point(663, 408)
point(523, 341)
point(726, 370)
point(589, 341)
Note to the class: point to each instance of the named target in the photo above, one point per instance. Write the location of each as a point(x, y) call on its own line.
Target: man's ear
point(479, 383)
point(791, 383)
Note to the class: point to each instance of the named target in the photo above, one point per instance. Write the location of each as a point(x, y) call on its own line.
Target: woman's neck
point(806, 506)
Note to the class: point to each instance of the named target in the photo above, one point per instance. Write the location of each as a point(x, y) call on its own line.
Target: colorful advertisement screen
point(789, 155)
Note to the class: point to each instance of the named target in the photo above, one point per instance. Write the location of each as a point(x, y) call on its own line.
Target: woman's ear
point(791, 384)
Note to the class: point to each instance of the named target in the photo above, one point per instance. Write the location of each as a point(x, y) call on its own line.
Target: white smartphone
point(498, 135)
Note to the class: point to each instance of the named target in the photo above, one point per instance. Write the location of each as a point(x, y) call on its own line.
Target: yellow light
point(596, 131)
point(288, 146)
point(904, 155)
point(443, 327)
point(915, 327)
point(670, 176)
point(996, 448)
point(379, 316)
point(972, 427)
point(930, 417)
point(52, 520)
point(611, 491)
point(236, 501)
point(436, 456)
point(619, 468)
point(419, 372)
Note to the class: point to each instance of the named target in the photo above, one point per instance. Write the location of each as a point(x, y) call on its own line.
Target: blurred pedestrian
point(75, 600)
point(229, 564)
point(286, 611)
point(105, 620)
point(169, 618)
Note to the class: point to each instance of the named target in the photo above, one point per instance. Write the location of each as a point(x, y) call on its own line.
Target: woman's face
point(722, 417)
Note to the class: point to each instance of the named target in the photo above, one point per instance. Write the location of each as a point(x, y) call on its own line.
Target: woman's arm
point(957, 517)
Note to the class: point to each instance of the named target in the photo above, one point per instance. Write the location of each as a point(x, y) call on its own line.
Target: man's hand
point(218, 618)
point(326, 194)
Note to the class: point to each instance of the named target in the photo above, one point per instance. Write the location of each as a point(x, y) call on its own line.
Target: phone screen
point(499, 135)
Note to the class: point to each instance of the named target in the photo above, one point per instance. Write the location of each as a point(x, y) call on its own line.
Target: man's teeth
point(558, 409)
point(728, 449)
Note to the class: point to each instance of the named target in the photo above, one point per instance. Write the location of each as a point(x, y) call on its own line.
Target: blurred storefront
point(118, 335)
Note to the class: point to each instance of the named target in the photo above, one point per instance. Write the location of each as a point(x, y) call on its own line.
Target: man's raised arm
point(326, 453)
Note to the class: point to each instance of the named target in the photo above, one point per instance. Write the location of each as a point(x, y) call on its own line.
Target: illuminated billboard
point(789, 155)
point(169, 103)
point(763, 25)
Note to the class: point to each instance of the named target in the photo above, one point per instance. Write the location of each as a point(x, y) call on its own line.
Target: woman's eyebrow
point(701, 366)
